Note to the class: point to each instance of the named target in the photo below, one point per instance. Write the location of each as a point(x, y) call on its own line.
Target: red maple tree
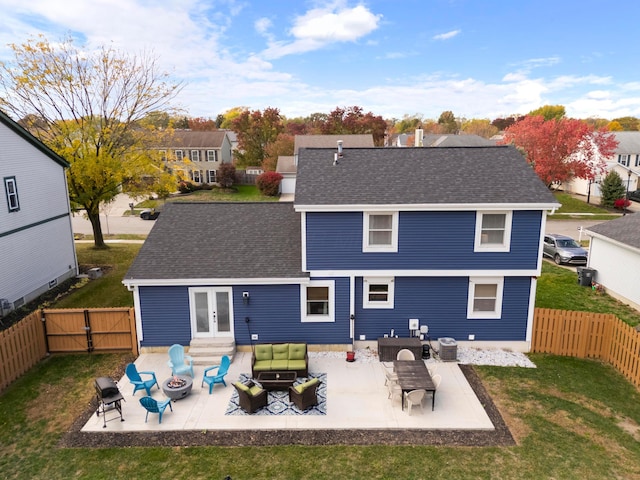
point(561, 149)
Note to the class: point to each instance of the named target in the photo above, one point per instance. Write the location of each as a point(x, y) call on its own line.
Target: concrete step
point(209, 351)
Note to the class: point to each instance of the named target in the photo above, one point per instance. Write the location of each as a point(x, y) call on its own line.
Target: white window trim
point(179, 154)
point(212, 176)
point(506, 239)
point(211, 156)
point(473, 281)
point(332, 302)
point(389, 281)
point(194, 155)
point(365, 233)
point(12, 197)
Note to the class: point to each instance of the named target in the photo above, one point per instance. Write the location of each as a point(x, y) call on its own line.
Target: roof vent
point(419, 137)
point(339, 148)
point(335, 158)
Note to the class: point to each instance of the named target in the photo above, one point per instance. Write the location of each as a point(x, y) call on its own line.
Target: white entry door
point(211, 312)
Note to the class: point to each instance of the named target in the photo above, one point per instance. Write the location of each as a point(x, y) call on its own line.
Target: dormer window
point(380, 232)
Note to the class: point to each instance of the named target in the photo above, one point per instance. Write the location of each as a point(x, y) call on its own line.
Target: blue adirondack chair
point(138, 383)
point(152, 405)
point(179, 362)
point(211, 380)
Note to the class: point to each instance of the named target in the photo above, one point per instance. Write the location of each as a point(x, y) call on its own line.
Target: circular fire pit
point(177, 387)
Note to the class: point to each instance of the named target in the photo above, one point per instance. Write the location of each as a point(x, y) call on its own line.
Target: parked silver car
point(564, 249)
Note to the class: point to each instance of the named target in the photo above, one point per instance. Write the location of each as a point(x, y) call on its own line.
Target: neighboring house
point(374, 238)
point(196, 156)
point(625, 161)
point(614, 253)
point(288, 169)
point(420, 139)
point(36, 238)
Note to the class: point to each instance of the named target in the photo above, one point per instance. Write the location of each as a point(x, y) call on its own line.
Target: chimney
point(340, 148)
point(418, 142)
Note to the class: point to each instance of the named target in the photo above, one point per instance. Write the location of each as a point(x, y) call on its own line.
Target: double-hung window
point(163, 155)
point(211, 155)
point(211, 176)
point(380, 232)
point(623, 160)
point(377, 292)
point(11, 190)
point(317, 301)
point(485, 297)
point(179, 155)
point(493, 232)
point(197, 176)
point(195, 155)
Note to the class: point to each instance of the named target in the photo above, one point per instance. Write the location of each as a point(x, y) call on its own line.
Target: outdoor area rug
point(279, 399)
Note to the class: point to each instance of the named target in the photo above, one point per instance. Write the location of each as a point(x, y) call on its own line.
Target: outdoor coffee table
point(276, 380)
point(176, 393)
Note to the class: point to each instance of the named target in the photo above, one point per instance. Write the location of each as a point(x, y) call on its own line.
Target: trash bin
point(586, 276)
point(426, 351)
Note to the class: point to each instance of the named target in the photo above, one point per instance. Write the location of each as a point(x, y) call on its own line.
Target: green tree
point(481, 127)
point(408, 124)
point(611, 189)
point(448, 123)
point(89, 107)
point(255, 131)
point(629, 124)
point(549, 112)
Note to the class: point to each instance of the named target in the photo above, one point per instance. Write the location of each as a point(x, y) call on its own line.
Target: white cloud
point(447, 36)
point(262, 25)
point(324, 26)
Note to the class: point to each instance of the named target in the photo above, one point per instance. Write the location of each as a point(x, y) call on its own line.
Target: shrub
point(621, 203)
point(611, 189)
point(226, 175)
point(269, 183)
point(186, 187)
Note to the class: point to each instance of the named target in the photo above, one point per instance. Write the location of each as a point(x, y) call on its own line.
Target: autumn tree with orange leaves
point(561, 149)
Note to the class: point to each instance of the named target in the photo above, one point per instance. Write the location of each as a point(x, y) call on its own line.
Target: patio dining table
point(413, 375)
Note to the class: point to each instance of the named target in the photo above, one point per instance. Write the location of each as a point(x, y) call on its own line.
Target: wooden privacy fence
point(98, 330)
point(588, 335)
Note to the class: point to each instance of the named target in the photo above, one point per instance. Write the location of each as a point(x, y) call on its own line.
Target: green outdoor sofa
point(268, 357)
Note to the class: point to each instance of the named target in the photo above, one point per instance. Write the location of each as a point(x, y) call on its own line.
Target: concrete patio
point(357, 398)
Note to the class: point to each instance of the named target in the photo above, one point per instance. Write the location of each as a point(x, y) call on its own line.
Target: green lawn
point(572, 205)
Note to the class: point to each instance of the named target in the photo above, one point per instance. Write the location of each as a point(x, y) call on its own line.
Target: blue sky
point(478, 58)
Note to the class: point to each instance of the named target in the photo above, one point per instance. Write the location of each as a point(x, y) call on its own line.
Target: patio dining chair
point(136, 380)
point(390, 376)
point(222, 370)
point(179, 362)
point(437, 378)
point(415, 397)
point(152, 405)
point(395, 391)
point(405, 354)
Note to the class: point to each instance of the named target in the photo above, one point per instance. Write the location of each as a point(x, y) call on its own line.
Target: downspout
point(352, 311)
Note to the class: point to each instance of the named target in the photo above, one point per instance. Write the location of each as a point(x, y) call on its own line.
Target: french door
point(211, 312)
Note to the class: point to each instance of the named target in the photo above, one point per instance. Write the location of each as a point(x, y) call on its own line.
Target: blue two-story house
point(449, 238)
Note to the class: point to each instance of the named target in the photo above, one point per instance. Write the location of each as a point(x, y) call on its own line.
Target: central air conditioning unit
point(5, 307)
point(448, 349)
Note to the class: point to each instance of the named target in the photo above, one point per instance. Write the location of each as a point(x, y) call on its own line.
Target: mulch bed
point(501, 436)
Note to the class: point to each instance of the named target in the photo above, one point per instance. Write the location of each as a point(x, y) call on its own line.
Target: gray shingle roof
point(625, 230)
point(628, 142)
point(221, 240)
point(392, 176)
point(330, 141)
point(462, 140)
point(190, 139)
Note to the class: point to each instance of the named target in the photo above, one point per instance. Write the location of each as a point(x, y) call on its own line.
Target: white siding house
point(614, 253)
point(36, 238)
